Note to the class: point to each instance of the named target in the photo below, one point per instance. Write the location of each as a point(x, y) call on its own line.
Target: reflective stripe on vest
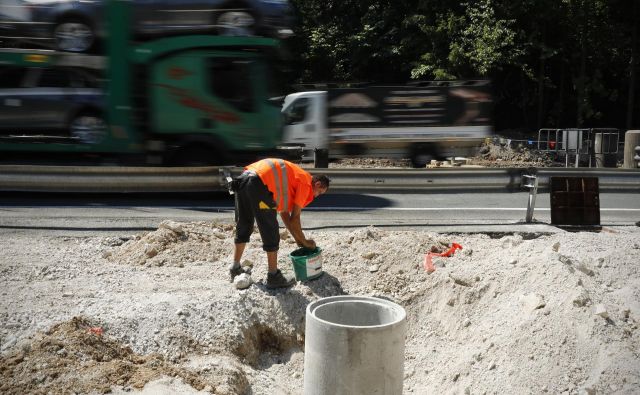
point(281, 184)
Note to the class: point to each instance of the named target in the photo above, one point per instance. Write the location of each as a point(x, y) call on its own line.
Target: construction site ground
point(154, 312)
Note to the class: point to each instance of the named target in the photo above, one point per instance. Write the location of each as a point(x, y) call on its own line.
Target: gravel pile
point(152, 312)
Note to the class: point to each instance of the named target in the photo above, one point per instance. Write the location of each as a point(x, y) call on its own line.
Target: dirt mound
point(77, 357)
point(505, 153)
point(513, 313)
point(175, 244)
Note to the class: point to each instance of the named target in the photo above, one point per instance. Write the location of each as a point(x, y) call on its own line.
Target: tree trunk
point(632, 71)
point(583, 67)
point(541, 92)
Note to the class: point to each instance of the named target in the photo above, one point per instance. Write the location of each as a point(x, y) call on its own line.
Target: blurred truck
point(421, 122)
point(182, 100)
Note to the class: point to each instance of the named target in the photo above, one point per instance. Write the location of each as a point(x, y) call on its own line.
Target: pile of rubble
point(543, 313)
point(501, 152)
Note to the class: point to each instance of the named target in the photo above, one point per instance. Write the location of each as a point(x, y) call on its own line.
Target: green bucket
point(307, 264)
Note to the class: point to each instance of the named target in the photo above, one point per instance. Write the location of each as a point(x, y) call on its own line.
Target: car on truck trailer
point(420, 121)
point(184, 100)
point(78, 25)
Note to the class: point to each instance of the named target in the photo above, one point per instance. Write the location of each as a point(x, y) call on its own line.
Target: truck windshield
point(296, 112)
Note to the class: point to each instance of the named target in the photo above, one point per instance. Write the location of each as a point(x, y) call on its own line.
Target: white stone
point(242, 281)
point(369, 255)
point(373, 268)
point(172, 226)
point(601, 310)
point(532, 301)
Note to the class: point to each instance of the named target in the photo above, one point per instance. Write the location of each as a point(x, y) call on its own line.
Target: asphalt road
point(439, 212)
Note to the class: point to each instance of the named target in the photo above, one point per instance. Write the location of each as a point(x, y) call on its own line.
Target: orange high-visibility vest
point(288, 183)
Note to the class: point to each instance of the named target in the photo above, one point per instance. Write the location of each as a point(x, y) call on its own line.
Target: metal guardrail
point(209, 179)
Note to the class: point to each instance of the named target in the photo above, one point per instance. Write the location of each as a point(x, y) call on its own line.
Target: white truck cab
point(305, 121)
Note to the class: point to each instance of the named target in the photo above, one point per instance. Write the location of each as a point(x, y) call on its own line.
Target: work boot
point(279, 280)
point(237, 270)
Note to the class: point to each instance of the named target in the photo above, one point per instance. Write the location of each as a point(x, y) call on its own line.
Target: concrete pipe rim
point(398, 312)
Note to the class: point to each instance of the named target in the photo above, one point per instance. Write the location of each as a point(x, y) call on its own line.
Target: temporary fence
point(596, 147)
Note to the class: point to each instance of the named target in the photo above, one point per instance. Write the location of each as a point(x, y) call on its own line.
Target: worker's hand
point(309, 244)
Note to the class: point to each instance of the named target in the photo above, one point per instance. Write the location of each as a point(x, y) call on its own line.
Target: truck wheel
point(88, 128)
point(73, 35)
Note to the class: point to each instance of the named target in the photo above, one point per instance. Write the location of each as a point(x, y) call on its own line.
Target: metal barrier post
point(531, 182)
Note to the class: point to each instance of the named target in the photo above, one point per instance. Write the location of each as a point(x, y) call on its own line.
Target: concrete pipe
point(354, 345)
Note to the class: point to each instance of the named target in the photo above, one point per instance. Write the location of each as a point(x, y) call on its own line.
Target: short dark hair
point(324, 180)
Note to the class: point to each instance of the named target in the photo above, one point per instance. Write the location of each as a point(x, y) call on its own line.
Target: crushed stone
point(563, 319)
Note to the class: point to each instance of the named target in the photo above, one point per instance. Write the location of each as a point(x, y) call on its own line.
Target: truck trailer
point(420, 122)
point(176, 100)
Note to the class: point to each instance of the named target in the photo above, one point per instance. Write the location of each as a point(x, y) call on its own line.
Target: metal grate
point(575, 201)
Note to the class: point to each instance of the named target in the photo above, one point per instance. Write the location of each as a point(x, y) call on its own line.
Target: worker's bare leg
point(272, 260)
point(239, 250)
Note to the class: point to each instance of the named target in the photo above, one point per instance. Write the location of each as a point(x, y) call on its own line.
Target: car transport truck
point(420, 121)
point(175, 100)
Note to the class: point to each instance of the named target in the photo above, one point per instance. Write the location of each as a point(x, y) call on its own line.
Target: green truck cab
point(185, 100)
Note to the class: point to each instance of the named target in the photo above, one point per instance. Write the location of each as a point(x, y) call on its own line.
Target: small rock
point(492, 365)
point(242, 281)
point(67, 294)
point(151, 251)
point(247, 263)
point(219, 235)
point(556, 246)
point(11, 340)
point(373, 268)
point(465, 282)
point(511, 241)
point(182, 313)
point(106, 254)
point(588, 391)
point(601, 310)
point(369, 255)
point(172, 226)
point(513, 262)
point(584, 269)
point(565, 259)
point(582, 299)
point(532, 301)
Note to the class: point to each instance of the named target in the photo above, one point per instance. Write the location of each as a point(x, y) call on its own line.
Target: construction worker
point(264, 188)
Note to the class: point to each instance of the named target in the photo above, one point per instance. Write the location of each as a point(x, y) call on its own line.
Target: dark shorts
point(254, 202)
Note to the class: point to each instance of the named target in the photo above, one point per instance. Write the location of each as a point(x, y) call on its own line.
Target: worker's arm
point(294, 226)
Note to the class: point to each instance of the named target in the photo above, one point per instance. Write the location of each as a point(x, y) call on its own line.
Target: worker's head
point(320, 184)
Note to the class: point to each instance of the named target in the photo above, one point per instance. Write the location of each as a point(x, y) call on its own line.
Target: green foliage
point(552, 63)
